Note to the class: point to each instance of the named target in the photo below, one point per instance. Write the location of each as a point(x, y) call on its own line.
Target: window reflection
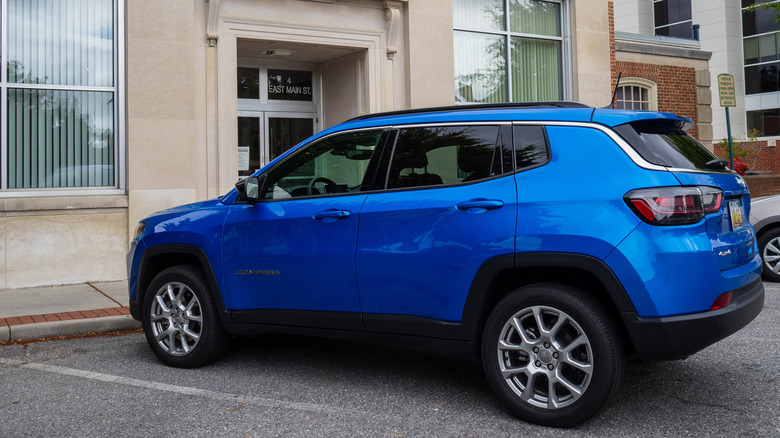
point(63, 42)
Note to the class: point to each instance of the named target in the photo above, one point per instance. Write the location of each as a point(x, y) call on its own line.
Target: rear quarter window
point(663, 143)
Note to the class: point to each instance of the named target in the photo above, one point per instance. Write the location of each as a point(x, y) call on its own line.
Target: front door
point(293, 252)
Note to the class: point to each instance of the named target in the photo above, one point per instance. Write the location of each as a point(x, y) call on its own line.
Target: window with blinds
point(508, 50)
point(59, 93)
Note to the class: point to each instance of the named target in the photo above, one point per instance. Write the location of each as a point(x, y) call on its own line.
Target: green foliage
point(746, 150)
point(775, 5)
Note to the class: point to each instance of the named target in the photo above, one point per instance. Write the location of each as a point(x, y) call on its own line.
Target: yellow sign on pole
point(726, 90)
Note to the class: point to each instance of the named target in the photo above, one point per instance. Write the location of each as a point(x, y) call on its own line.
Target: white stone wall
point(46, 241)
point(721, 34)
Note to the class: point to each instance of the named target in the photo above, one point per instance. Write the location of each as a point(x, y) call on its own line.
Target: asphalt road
point(296, 386)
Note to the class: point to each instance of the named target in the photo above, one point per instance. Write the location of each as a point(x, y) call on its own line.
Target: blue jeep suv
point(549, 240)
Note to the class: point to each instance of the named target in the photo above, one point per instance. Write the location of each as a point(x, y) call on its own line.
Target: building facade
point(114, 109)
point(744, 44)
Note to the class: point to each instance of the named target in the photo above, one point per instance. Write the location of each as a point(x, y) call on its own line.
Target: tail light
point(674, 205)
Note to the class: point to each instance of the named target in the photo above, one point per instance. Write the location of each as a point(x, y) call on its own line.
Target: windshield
point(663, 143)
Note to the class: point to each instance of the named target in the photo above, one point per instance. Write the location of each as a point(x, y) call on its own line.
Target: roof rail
point(477, 106)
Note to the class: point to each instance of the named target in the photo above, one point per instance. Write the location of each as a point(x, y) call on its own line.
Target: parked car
point(548, 240)
point(765, 218)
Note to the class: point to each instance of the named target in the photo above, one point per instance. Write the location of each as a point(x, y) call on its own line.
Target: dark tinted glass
point(444, 155)
point(680, 30)
point(248, 83)
point(767, 122)
point(663, 143)
point(760, 21)
point(768, 77)
point(752, 80)
point(530, 146)
point(762, 78)
point(671, 11)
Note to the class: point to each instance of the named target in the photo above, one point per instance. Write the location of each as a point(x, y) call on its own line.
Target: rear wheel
point(552, 354)
point(769, 248)
point(180, 319)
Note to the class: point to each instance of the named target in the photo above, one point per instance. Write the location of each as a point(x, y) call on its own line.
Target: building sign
point(726, 90)
point(290, 85)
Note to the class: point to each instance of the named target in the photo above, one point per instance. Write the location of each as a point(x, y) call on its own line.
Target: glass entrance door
point(263, 136)
point(276, 110)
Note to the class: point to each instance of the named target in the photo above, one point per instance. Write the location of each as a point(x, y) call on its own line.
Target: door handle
point(331, 215)
point(480, 205)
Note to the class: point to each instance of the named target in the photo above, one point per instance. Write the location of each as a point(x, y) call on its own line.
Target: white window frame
point(507, 34)
point(647, 84)
point(119, 114)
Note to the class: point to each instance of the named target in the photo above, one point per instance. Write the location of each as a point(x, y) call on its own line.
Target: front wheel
point(552, 354)
point(180, 319)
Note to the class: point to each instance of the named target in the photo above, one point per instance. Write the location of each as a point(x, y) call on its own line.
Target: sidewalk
point(44, 312)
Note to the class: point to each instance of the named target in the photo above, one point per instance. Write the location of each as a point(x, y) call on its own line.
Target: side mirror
point(249, 189)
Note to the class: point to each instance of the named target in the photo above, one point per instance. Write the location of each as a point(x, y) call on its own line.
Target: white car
point(765, 218)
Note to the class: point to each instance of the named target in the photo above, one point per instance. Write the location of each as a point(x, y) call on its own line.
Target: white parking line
point(213, 395)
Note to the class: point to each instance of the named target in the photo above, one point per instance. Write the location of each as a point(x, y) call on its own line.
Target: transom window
point(509, 50)
point(59, 94)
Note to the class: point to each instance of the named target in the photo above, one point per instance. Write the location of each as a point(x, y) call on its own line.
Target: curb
point(68, 328)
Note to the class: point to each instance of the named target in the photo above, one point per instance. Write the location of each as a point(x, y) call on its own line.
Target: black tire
point(586, 334)
point(180, 319)
point(769, 248)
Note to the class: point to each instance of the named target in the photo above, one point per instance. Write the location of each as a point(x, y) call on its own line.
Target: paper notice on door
point(243, 158)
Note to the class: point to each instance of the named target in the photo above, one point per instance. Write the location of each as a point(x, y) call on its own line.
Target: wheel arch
point(767, 225)
point(501, 275)
point(156, 259)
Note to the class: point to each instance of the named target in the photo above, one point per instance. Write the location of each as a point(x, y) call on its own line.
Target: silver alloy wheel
point(545, 357)
point(176, 319)
point(771, 255)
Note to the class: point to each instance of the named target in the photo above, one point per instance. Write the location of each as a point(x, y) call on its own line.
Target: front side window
point(433, 156)
point(334, 165)
point(508, 50)
point(60, 93)
point(673, 18)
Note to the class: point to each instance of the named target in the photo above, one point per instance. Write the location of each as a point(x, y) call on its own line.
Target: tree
point(772, 5)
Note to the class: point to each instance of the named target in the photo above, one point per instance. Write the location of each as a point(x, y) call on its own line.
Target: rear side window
point(530, 146)
point(430, 156)
point(663, 143)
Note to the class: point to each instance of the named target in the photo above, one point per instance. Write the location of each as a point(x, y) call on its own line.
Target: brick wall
point(764, 160)
point(761, 157)
point(762, 185)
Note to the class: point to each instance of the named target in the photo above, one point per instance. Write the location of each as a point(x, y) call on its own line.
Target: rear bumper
point(677, 337)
